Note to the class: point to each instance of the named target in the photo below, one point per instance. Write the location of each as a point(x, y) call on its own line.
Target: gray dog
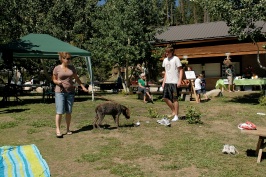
point(110, 108)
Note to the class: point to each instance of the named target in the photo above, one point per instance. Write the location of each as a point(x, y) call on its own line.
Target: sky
point(101, 2)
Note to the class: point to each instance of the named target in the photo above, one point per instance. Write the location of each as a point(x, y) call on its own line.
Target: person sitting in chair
point(143, 88)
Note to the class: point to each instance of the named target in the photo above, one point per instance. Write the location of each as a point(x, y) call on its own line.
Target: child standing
point(198, 88)
point(230, 76)
point(203, 86)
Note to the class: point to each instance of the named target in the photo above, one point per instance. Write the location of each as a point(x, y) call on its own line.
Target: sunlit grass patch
point(42, 123)
point(33, 130)
point(10, 124)
point(127, 170)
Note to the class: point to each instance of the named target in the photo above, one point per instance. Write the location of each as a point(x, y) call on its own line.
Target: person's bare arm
point(56, 81)
point(80, 83)
point(181, 72)
point(164, 79)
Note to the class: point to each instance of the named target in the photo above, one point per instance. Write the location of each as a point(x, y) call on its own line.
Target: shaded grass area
point(147, 150)
point(251, 98)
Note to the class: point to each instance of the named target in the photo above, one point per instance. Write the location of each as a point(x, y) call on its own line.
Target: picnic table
point(253, 82)
point(221, 83)
point(11, 90)
point(110, 85)
point(261, 133)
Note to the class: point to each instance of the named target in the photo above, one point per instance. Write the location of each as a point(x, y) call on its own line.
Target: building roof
point(199, 31)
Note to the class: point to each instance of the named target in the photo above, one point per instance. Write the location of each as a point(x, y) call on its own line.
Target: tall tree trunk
point(182, 11)
point(206, 16)
point(167, 12)
point(172, 15)
point(195, 17)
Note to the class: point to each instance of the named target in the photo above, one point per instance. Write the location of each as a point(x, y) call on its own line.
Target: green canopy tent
point(45, 46)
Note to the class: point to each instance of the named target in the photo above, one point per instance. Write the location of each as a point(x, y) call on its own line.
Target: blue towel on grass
point(22, 161)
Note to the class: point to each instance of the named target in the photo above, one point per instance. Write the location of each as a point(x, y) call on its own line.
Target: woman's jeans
point(64, 102)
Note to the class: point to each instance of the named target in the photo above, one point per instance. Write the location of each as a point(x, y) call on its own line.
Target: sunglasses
point(67, 58)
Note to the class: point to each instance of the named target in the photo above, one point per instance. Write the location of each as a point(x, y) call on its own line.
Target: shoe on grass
point(167, 122)
point(226, 149)
point(232, 150)
point(164, 121)
point(161, 120)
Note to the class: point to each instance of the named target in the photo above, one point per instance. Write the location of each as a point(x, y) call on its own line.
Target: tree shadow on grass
point(34, 100)
point(251, 98)
point(6, 111)
point(81, 99)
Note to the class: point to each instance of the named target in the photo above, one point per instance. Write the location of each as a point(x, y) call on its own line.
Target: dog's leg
point(116, 119)
point(95, 121)
point(98, 120)
point(101, 117)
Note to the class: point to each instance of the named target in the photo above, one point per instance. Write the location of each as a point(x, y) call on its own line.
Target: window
point(212, 69)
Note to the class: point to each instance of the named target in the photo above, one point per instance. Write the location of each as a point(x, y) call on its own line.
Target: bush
point(153, 113)
point(262, 100)
point(193, 115)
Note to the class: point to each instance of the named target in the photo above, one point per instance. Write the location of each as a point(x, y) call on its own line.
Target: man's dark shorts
point(171, 92)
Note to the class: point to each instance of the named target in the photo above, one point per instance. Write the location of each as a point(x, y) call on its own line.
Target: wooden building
point(206, 45)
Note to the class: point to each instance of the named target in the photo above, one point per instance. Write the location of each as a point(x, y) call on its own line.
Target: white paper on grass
point(260, 113)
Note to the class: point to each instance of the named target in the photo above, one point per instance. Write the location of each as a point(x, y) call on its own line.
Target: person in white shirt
point(172, 81)
point(198, 88)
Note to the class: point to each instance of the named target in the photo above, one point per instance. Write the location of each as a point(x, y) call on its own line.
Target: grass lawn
point(149, 150)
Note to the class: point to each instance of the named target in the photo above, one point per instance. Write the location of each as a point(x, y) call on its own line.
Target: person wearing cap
point(143, 89)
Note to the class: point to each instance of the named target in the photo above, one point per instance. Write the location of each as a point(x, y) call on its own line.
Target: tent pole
point(88, 62)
